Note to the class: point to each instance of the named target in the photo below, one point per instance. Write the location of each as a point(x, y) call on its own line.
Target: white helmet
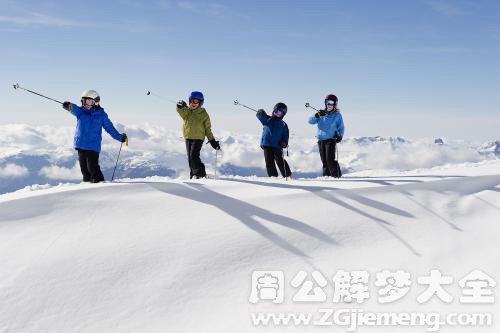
point(92, 94)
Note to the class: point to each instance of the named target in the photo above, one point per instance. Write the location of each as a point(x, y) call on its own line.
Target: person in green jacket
point(196, 127)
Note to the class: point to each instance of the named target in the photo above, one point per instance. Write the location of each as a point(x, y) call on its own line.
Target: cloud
point(9, 30)
point(212, 9)
point(445, 8)
point(44, 154)
point(189, 5)
point(13, 171)
point(38, 19)
point(442, 50)
point(61, 173)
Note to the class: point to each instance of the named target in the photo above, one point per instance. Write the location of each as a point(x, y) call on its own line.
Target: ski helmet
point(333, 98)
point(280, 110)
point(91, 94)
point(197, 95)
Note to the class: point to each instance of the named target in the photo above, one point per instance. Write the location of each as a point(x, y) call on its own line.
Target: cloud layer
point(44, 154)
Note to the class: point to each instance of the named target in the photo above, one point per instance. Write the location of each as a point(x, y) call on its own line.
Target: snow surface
point(44, 154)
point(173, 255)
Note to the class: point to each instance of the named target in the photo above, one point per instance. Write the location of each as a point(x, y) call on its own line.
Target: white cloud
point(13, 171)
point(9, 30)
point(445, 8)
point(24, 149)
point(38, 19)
point(186, 5)
point(61, 173)
point(212, 9)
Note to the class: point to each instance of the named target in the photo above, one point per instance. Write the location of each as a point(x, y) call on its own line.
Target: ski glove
point(283, 144)
point(215, 144)
point(261, 112)
point(338, 138)
point(320, 113)
point(181, 104)
point(67, 106)
point(124, 138)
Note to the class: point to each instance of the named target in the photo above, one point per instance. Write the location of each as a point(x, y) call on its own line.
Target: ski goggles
point(278, 113)
point(194, 101)
point(88, 101)
point(329, 102)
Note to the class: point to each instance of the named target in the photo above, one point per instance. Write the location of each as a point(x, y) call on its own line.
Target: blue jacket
point(88, 134)
point(275, 130)
point(328, 125)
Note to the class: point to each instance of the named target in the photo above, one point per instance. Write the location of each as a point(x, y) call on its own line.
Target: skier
point(274, 140)
point(91, 118)
point(197, 126)
point(330, 132)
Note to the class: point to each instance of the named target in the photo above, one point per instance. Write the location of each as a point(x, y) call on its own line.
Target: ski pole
point(236, 102)
point(284, 164)
point(215, 173)
point(312, 107)
point(337, 150)
point(113, 177)
point(17, 86)
point(149, 93)
point(216, 154)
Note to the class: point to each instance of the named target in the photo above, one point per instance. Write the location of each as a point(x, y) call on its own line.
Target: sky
point(415, 68)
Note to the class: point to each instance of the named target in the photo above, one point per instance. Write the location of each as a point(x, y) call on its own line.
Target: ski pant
point(89, 165)
point(196, 166)
point(274, 156)
point(327, 153)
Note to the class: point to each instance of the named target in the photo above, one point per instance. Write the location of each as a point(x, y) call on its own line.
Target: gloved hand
point(124, 138)
point(283, 144)
point(261, 112)
point(320, 113)
point(67, 106)
point(181, 104)
point(338, 138)
point(215, 144)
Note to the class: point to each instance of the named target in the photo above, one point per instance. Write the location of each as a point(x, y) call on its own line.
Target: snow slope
point(162, 255)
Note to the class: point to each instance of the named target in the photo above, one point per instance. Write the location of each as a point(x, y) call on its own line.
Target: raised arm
point(313, 120)
point(262, 116)
point(183, 111)
point(74, 109)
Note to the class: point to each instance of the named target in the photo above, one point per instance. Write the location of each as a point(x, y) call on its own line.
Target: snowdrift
point(162, 255)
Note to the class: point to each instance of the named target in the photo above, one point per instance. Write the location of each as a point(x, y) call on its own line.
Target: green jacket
point(196, 123)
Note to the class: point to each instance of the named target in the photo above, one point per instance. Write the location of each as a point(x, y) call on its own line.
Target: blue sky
point(411, 68)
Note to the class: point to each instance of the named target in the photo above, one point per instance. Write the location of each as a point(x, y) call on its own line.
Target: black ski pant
point(274, 156)
point(327, 153)
point(89, 165)
point(196, 166)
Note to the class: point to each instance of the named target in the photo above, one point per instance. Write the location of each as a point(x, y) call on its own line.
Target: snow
point(45, 155)
point(161, 254)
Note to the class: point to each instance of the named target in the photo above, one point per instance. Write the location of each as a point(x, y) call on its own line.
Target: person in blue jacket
point(91, 119)
point(330, 132)
point(274, 140)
